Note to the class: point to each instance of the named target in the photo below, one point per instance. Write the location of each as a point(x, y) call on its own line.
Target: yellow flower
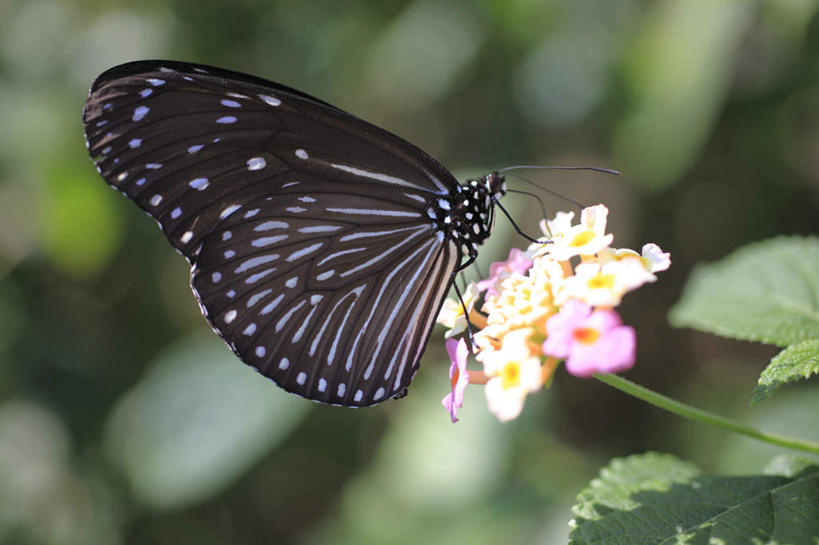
point(514, 371)
point(586, 238)
point(605, 284)
point(523, 301)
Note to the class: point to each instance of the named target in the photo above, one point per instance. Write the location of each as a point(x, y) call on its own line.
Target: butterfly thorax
point(468, 216)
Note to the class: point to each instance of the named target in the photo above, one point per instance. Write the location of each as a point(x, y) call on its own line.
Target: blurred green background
point(124, 420)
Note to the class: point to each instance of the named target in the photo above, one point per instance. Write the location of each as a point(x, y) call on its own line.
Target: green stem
point(687, 411)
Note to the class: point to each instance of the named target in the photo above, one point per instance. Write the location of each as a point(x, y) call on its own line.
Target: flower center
point(601, 281)
point(586, 335)
point(582, 238)
point(510, 375)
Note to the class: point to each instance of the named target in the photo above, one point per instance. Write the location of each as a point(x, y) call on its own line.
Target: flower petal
point(560, 328)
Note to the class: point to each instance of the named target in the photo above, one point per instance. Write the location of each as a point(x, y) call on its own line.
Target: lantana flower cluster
point(551, 303)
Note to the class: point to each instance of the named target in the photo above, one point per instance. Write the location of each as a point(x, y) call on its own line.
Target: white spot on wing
point(156, 199)
point(268, 308)
point(230, 103)
point(140, 112)
point(287, 315)
point(228, 210)
point(298, 254)
point(322, 385)
point(230, 316)
point(253, 278)
point(320, 229)
point(256, 163)
point(260, 351)
point(268, 225)
point(301, 378)
point(284, 364)
point(257, 296)
point(199, 183)
point(374, 212)
point(301, 154)
point(226, 120)
point(134, 143)
point(380, 176)
point(255, 262)
point(261, 242)
point(195, 148)
point(273, 101)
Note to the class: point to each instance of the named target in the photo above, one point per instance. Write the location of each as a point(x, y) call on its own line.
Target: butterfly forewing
point(312, 251)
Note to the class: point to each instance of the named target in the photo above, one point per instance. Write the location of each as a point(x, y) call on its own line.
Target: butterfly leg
point(466, 310)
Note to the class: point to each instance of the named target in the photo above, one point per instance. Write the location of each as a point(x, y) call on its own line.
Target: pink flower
point(458, 377)
point(591, 341)
point(517, 263)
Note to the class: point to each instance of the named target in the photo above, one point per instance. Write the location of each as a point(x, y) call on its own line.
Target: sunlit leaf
point(195, 422)
point(767, 291)
point(798, 361)
point(80, 229)
point(650, 498)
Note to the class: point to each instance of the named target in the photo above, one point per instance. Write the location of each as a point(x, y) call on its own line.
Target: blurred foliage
point(650, 498)
point(113, 427)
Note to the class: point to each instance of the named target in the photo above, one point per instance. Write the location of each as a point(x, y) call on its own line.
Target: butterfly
point(321, 246)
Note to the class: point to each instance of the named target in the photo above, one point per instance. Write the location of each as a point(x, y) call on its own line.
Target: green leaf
point(796, 362)
point(651, 499)
point(766, 291)
point(80, 229)
point(195, 422)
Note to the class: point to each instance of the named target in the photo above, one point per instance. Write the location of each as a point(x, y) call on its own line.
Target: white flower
point(514, 372)
point(586, 238)
point(605, 284)
point(654, 259)
point(452, 312)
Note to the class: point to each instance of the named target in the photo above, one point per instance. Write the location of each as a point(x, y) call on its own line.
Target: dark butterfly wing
point(312, 252)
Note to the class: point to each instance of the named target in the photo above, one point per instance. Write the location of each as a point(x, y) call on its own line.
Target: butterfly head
point(495, 184)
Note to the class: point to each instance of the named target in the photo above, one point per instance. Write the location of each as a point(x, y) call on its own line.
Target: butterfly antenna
point(515, 225)
point(549, 191)
point(547, 167)
point(542, 206)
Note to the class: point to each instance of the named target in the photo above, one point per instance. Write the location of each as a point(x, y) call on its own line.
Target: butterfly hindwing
point(337, 311)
